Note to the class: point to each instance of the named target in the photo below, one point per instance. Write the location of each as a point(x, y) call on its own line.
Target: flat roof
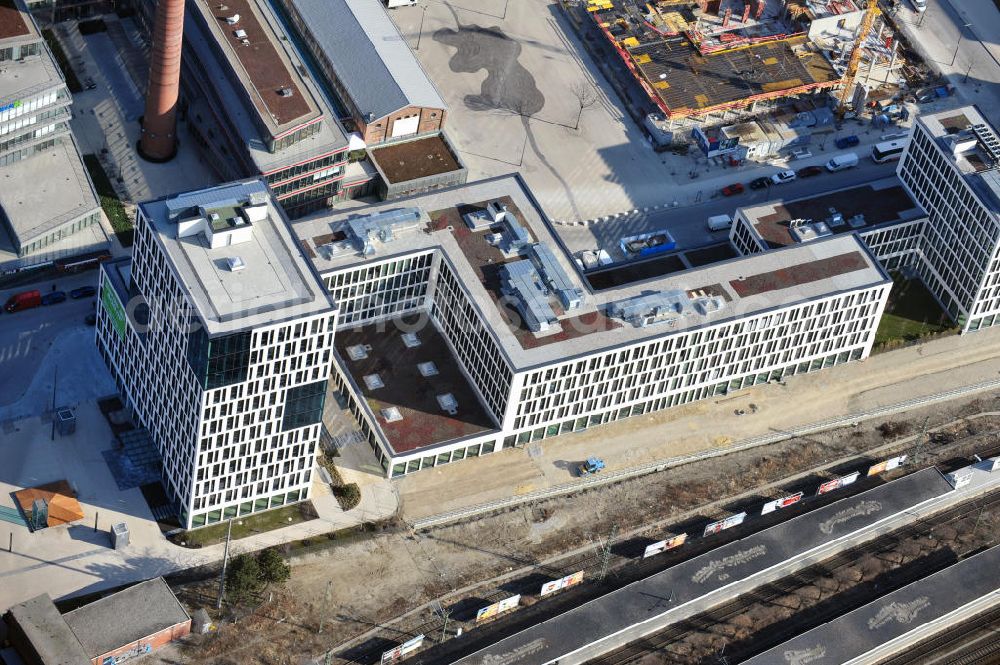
point(846, 264)
point(277, 282)
point(126, 616)
point(692, 579)
point(45, 191)
point(252, 48)
point(238, 114)
point(21, 79)
point(14, 22)
point(892, 616)
point(48, 633)
point(971, 143)
point(368, 54)
point(409, 160)
point(424, 421)
point(880, 202)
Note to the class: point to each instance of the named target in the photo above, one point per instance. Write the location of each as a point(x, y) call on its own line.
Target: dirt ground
point(349, 590)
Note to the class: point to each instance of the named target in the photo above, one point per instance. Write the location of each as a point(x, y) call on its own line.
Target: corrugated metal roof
point(367, 52)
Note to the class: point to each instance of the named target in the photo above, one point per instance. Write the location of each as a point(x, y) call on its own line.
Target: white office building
point(950, 168)
point(466, 327)
point(942, 223)
point(220, 337)
point(48, 207)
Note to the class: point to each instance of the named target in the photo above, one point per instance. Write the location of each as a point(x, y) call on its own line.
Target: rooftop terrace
point(743, 285)
point(271, 280)
point(401, 385)
point(409, 160)
point(881, 202)
point(270, 78)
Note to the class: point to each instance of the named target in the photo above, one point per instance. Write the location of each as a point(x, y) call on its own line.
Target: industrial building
point(219, 335)
point(370, 68)
point(466, 328)
point(119, 627)
point(251, 105)
point(48, 206)
point(942, 223)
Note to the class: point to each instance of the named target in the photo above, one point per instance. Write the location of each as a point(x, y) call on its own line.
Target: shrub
point(243, 578)
point(273, 567)
point(348, 496)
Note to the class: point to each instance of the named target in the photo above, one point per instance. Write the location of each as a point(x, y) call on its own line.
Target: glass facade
point(303, 405)
point(219, 362)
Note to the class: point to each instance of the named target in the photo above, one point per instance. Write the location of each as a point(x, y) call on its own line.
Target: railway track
point(806, 577)
point(973, 642)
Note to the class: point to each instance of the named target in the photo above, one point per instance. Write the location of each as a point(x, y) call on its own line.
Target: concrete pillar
point(159, 124)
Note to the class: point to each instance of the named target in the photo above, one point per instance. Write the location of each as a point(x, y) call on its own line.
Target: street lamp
point(961, 33)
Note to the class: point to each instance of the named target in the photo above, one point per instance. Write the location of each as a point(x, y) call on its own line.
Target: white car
point(782, 177)
point(920, 5)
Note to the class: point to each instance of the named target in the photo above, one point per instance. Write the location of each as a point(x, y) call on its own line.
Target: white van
point(392, 4)
point(848, 160)
point(719, 222)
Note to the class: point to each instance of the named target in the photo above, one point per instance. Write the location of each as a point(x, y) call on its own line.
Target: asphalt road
point(25, 337)
point(687, 224)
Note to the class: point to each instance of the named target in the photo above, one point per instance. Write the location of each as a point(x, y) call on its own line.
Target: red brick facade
point(141, 647)
point(380, 129)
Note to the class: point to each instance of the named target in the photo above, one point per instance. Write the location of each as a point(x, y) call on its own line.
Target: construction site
point(711, 62)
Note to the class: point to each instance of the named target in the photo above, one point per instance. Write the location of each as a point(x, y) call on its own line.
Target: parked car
point(82, 292)
point(848, 160)
point(799, 153)
point(781, 177)
point(89, 83)
point(845, 142)
point(733, 189)
point(809, 171)
point(54, 298)
point(760, 183)
point(22, 301)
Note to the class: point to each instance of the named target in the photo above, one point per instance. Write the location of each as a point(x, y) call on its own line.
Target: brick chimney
point(159, 125)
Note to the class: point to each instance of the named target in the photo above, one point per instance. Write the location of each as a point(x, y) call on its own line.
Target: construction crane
point(871, 12)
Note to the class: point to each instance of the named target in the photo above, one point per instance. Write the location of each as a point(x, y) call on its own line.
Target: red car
point(809, 171)
point(733, 189)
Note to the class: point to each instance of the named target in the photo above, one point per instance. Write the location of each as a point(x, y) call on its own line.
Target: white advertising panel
point(783, 502)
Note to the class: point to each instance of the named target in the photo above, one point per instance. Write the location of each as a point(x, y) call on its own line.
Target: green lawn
point(112, 205)
point(248, 525)
point(72, 82)
point(912, 313)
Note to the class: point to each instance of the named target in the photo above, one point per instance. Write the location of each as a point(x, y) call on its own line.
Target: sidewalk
point(883, 379)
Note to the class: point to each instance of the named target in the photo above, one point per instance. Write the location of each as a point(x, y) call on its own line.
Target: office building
point(373, 72)
point(219, 335)
point(950, 169)
point(941, 224)
point(465, 327)
point(249, 100)
point(45, 193)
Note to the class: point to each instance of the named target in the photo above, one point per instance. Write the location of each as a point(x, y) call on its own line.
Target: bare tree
point(585, 98)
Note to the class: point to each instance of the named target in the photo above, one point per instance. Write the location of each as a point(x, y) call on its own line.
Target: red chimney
point(159, 124)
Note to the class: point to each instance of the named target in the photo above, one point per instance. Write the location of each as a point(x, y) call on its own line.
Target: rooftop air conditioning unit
point(285, 92)
point(233, 20)
point(235, 263)
point(241, 34)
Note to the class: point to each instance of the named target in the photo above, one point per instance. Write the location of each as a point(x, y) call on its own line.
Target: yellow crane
point(871, 11)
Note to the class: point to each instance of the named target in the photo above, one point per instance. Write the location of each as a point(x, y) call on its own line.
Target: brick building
point(369, 66)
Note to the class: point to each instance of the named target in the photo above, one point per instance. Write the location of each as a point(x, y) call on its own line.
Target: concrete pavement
point(959, 39)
